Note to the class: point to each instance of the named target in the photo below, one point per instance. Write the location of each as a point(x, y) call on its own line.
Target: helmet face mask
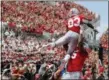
point(73, 11)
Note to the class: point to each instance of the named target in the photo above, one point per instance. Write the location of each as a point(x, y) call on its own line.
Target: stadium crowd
point(104, 40)
point(22, 57)
point(35, 17)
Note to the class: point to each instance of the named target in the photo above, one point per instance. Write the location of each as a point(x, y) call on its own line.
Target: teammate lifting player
point(73, 69)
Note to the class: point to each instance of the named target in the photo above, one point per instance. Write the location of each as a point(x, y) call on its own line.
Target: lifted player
point(71, 37)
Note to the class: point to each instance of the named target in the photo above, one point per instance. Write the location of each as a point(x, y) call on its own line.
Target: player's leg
point(69, 37)
point(73, 40)
point(71, 45)
point(61, 41)
point(64, 39)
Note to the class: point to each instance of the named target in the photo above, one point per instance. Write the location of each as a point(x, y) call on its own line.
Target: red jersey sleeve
point(81, 18)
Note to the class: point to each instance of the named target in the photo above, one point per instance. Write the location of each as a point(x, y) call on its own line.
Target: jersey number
point(73, 22)
point(74, 55)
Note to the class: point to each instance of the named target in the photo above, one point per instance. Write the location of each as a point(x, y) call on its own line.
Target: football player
point(75, 63)
point(71, 37)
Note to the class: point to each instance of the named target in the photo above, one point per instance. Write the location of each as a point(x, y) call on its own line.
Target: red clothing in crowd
point(101, 69)
point(24, 28)
point(32, 29)
point(14, 70)
point(12, 24)
point(51, 30)
point(21, 71)
point(38, 31)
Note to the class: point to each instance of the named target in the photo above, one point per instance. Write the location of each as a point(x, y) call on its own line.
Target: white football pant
point(71, 38)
